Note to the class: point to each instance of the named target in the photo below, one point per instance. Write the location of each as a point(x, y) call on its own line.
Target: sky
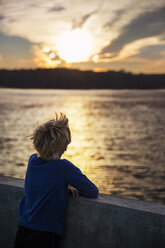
point(97, 35)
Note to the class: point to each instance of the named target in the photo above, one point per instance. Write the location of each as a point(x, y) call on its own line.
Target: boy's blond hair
point(51, 138)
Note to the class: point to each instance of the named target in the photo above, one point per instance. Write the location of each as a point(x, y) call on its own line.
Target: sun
point(75, 45)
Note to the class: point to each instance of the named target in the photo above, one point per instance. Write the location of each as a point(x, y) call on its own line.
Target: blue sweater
point(46, 193)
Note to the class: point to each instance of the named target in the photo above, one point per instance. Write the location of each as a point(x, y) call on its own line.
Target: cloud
point(153, 52)
point(80, 22)
point(118, 14)
point(134, 50)
point(162, 36)
point(145, 25)
point(43, 60)
point(2, 17)
point(57, 8)
point(16, 52)
point(14, 46)
point(1, 58)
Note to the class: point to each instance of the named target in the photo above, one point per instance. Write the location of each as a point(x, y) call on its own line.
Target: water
point(118, 136)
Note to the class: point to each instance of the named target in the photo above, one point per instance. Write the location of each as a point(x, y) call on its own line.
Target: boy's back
point(46, 193)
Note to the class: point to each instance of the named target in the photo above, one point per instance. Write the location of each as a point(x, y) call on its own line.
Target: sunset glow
point(75, 46)
point(46, 49)
point(52, 55)
point(86, 35)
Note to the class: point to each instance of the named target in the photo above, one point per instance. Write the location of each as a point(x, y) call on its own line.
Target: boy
point(48, 180)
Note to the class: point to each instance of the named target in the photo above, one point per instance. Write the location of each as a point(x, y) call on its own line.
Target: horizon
point(88, 35)
point(83, 70)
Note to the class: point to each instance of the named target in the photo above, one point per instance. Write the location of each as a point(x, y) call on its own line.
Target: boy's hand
point(73, 191)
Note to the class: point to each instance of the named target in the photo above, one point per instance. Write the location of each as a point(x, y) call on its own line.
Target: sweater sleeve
point(77, 179)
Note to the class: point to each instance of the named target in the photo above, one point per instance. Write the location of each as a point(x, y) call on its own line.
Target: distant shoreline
point(60, 89)
point(62, 78)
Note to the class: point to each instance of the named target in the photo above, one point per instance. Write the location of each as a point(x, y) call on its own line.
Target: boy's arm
point(77, 179)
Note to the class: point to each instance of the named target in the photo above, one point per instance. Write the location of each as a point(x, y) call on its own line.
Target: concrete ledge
point(95, 223)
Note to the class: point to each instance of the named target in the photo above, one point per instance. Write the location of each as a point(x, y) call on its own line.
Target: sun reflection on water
point(117, 137)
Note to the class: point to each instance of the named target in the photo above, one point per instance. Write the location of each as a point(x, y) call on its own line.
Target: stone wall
point(105, 222)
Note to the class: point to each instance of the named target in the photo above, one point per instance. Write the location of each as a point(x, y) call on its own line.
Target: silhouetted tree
point(62, 78)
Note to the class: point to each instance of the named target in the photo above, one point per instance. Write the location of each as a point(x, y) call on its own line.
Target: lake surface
point(118, 136)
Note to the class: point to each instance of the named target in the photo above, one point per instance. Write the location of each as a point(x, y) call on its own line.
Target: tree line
point(62, 78)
